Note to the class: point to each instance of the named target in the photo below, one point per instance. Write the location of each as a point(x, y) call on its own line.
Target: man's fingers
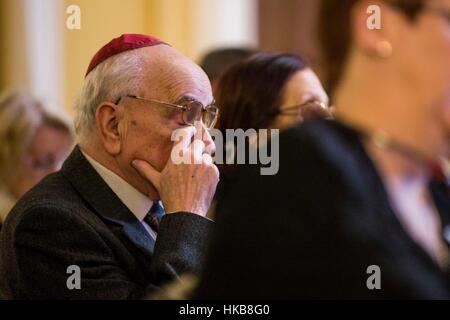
point(196, 151)
point(146, 170)
point(207, 159)
point(210, 146)
point(203, 133)
point(184, 137)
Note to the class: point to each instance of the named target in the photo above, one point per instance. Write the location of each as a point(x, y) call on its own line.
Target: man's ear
point(373, 28)
point(107, 118)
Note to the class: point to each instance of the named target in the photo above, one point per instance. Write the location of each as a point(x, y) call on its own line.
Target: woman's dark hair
point(217, 61)
point(335, 34)
point(250, 92)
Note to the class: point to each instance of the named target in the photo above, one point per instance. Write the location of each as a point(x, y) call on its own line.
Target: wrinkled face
point(45, 155)
point(147, 127)
point(303, 87)
point(422, 53)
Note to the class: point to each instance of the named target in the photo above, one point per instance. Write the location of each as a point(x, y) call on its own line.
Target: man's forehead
point(183, 91)
point(177, 78)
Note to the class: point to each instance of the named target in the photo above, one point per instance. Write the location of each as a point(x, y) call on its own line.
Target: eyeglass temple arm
point(168, 104)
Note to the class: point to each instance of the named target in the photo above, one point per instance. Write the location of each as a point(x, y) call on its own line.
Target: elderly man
point(120, 218)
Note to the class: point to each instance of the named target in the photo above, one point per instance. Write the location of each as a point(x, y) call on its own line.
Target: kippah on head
point(123, 43)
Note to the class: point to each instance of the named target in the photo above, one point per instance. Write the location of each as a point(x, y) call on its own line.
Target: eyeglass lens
point(195, 112)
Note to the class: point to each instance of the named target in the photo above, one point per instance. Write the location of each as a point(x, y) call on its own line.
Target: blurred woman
point(354, 211)
point(266, 91)
point(33, 144)
point(269, 91)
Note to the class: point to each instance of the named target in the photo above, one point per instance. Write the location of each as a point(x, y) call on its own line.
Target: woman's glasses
point(308, 110)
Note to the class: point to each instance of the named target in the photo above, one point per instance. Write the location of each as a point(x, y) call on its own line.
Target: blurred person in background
point(354, 211)
point(216, 62)
point(33, 143)
point(267, 91)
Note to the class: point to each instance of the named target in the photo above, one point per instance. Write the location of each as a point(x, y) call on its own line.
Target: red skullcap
point(123, 43)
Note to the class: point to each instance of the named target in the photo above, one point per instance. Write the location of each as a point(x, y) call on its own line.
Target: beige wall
point(13, 47)
point(289, 25)
point(192, 26)
point(2, 45)
point(101, 20)
point(197, 26)
point(170, 20)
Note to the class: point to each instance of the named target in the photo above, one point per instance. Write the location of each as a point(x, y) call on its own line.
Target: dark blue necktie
point(154, 216)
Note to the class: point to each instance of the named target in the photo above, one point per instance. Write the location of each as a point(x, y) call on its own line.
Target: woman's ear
point(372, 28)
point(107, 118)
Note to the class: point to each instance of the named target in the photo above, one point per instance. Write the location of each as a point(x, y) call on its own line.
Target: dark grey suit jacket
point(73, 218)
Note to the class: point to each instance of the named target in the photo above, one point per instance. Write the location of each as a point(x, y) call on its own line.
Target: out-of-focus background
point(38, 52)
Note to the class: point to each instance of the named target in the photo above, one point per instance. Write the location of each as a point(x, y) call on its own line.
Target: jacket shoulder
point(54, 194)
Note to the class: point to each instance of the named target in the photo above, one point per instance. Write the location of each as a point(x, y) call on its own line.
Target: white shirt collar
point(138, 203)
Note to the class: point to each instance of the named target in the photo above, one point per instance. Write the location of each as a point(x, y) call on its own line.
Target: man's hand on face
point(189, 186)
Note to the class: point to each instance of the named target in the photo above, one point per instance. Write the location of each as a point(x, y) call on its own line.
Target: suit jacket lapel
point(440, 192)
point(99, 195)
point(441, 196)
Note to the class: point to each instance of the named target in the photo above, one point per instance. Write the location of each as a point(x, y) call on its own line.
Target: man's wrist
point(198, 211)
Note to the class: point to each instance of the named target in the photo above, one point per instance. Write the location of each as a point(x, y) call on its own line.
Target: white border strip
point(44, 34)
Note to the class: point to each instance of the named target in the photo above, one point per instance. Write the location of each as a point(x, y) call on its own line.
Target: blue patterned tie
point(154, 216)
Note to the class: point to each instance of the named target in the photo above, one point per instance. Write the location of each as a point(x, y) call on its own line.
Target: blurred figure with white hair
point(355, 210)
point(33, 143)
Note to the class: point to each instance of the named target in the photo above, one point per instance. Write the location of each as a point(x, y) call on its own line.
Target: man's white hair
point(117, 76)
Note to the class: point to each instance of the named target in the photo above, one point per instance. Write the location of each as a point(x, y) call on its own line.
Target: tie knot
point(157, 210)
point(154, 216)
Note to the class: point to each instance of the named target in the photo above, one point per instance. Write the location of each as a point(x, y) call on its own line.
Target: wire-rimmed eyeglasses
point(193, 111)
